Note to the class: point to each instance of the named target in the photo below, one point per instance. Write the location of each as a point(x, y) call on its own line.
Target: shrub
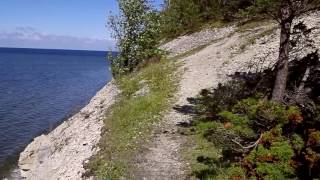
point(181, 16)
point(272, 157)
point(136, 30)
point(297, 142)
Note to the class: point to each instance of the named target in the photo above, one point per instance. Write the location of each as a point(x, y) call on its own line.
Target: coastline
point(62, 152)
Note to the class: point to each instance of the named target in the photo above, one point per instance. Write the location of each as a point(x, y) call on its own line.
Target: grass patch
point(199, 48)
point(252, 39)
point(192, 51)
point(212, 24)
point(252, 24)
point(202, 155)
point(216, 24)
point(129, 121)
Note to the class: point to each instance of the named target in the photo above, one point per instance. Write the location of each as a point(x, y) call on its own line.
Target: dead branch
point(304, 79)
point(253, 145)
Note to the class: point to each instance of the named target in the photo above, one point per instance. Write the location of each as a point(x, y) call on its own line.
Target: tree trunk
point(283, 60)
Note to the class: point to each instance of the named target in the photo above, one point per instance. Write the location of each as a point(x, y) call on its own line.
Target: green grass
point(249, 26)
point(252, 24)
point(198, 48)
point(215, 24)
point(202, 155)
point(205, 158)
point(252, 39)
point(129, 121)
point(212, 24)
point(192, 51)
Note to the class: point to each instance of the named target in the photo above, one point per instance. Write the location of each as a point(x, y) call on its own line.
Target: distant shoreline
point(57, 51)
point(23, 48)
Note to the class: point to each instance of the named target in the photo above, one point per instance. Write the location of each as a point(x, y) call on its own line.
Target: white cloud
point(28, 37)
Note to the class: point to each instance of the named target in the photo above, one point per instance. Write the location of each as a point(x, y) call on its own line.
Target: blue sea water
point(41, 88)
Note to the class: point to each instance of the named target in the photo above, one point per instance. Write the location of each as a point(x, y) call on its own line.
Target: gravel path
point(162, 158)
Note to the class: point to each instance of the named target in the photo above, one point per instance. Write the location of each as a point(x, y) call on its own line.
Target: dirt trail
point(227, 52)
point(202, 70)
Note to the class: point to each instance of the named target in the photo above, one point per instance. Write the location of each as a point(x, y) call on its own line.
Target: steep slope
point(61, 153)
point(210, 63)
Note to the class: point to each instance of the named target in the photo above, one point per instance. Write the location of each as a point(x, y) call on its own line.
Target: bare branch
point(254, 145)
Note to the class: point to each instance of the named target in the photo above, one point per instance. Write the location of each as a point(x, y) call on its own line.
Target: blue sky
point(56, 24)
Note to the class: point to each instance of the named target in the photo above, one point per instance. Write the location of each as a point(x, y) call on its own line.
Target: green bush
point(259, 132)
point(136, 30)
point(238, 124)
point(297, 142)
point(184, 16)
point(237, 172)
point(180, 17)
point(272, 157)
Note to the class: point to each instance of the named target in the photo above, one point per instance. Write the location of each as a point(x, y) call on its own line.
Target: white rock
point(61, 153)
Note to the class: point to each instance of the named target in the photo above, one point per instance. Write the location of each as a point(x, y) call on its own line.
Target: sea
point(39, 89)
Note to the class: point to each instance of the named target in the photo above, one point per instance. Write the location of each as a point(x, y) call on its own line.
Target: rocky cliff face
point(61, 153)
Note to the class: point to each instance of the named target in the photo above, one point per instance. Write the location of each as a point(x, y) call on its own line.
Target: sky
point(57, 24)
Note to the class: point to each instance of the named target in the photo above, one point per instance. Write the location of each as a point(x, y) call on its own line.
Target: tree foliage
point(135, 29)
point(183, 16)
point(180, 16)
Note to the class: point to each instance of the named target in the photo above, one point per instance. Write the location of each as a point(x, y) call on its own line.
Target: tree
point(178, 17)
point(284, 12)
point(135, 29)
point(288, 10)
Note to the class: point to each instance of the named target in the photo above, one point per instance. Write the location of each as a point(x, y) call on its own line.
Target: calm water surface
point(39, 89)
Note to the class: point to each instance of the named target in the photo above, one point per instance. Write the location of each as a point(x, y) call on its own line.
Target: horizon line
point(57, 49)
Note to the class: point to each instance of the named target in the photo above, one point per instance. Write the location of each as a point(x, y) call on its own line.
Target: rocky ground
point(189, 42)
point(224, 53)
point(61, 153)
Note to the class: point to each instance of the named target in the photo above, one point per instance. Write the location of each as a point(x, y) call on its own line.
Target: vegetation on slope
point(185, 16)
point(136, 29)
point(144, 96)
